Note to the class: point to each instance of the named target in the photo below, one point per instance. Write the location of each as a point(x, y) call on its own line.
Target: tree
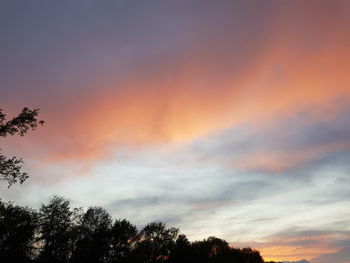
point(182, 251)
point(17, 231)
point(123, 239)
point(252, 256)
point(11, 168)
point(55, 227)
point(156, 242)
point(93, 242)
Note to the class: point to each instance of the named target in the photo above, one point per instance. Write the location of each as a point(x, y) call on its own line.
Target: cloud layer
point(228, 118)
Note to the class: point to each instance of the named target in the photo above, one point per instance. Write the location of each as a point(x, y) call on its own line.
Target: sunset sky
point(222, 118)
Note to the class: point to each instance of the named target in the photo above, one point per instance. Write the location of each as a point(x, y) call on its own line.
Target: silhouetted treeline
point(56, 233)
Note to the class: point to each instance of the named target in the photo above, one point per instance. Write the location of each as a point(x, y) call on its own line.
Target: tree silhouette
point(55, 222)
point(59, 234)
point(17, 230)
point(182, 251)
point(123, 240)
point(10, 168)
point(156, 242)
point(93, 236)
point(252, 255)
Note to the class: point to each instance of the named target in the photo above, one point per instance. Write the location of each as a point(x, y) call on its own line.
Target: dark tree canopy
point(17, 233)
point(93, 239)
point(59, 234)
point(55, 221)
point(124, 237)
point(11, 168)
point(156, 242)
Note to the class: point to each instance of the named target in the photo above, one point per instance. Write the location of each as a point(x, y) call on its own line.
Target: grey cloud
point(136, 202)
point(292, 137)
point(185, 206)
point(297, 232)
point(235, 191)
point(341, 256)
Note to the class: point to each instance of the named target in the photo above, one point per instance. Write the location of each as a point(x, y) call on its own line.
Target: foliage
point(124, 237)
point(17, 232)
point(55, 220)
point(156, 242)
point(24, 121)
point(10, 168)
point(93, 239)
point(59, 234)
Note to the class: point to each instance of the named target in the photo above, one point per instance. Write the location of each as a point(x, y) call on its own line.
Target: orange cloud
point(202, 89)
point(161, 110)
point(297, 248)
point(279, 161)
point(293, 253)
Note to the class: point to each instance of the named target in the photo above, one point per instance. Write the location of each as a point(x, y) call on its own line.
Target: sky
point(221, 118)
